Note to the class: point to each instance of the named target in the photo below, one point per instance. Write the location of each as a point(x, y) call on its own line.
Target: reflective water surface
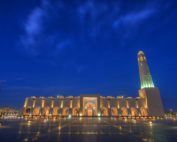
point(88, 130)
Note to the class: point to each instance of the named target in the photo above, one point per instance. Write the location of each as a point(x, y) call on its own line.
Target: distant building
point(7, 112)
point(148, 103)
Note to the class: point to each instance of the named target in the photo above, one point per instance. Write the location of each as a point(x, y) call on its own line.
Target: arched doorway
point(46, 111)
point(104, 111)
point(89, 110)
point(134, 112)
point(65, 111)
point(55, 111)
point(124, 111)
point(36, 111)
point(143, 111)
point(114, 111)
point(90, 106)
point(75, 112)
point(27, 111)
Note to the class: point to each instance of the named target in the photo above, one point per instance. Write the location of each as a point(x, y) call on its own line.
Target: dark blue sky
point(70, 47)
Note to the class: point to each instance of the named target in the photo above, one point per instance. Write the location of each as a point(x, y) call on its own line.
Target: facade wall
point(152, 101)
point(65, 106)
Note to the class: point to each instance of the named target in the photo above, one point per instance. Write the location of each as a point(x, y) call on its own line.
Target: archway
point(104, 111)
point(75, 112)
point(55, 111)
point(134, 112)
point(124, 111)
point(114, 111)
point(143, 111)
point(90, 106)
point(46, 111)
point(65, 111)
point(27, 111)
point(90, 109)
point(36, 111)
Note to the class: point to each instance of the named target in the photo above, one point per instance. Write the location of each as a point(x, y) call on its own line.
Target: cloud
point(54, 26)
point(37, 39)
point(33, 25)
point(92, 9)
point(133, 18)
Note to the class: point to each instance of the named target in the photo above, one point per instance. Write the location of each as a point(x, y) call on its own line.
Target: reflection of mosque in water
point(148, 103)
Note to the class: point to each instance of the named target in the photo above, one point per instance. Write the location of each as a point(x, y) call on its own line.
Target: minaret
point(145, 75)
point(148, 92)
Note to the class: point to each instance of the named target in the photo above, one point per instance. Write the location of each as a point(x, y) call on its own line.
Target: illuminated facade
point(84, 105)
point(145, 76)
point(148, 91)
point(148, 103)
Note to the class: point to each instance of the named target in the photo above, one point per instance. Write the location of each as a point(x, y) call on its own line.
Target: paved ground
point(88, 130)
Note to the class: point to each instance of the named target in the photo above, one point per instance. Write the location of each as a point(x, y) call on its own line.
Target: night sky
point(73, 47)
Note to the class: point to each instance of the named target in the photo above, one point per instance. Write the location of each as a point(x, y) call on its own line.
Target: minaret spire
point(145, 75)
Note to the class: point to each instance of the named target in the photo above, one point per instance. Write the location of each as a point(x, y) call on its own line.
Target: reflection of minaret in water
point(145, 75)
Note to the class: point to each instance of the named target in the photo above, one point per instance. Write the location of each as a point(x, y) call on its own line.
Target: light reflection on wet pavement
point(89, 130)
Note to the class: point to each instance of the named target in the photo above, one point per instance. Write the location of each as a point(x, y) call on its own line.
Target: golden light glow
point(36, 111)
point(109, 104)
point(43, 102)
point(118, 106)
point(52, 104)
point(55, 111)
point(26, 102)
point(141, 58)
point(137, 104)
point(34, 101)
point(71, 103)
point(114, 111)
point(127, 104)
point(124, 111)
point(150, 123)
point(61, 104)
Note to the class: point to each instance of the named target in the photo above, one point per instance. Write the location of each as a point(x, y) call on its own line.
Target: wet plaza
point(88, 130)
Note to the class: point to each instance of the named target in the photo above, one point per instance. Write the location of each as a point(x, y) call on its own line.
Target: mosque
point(147, 104)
